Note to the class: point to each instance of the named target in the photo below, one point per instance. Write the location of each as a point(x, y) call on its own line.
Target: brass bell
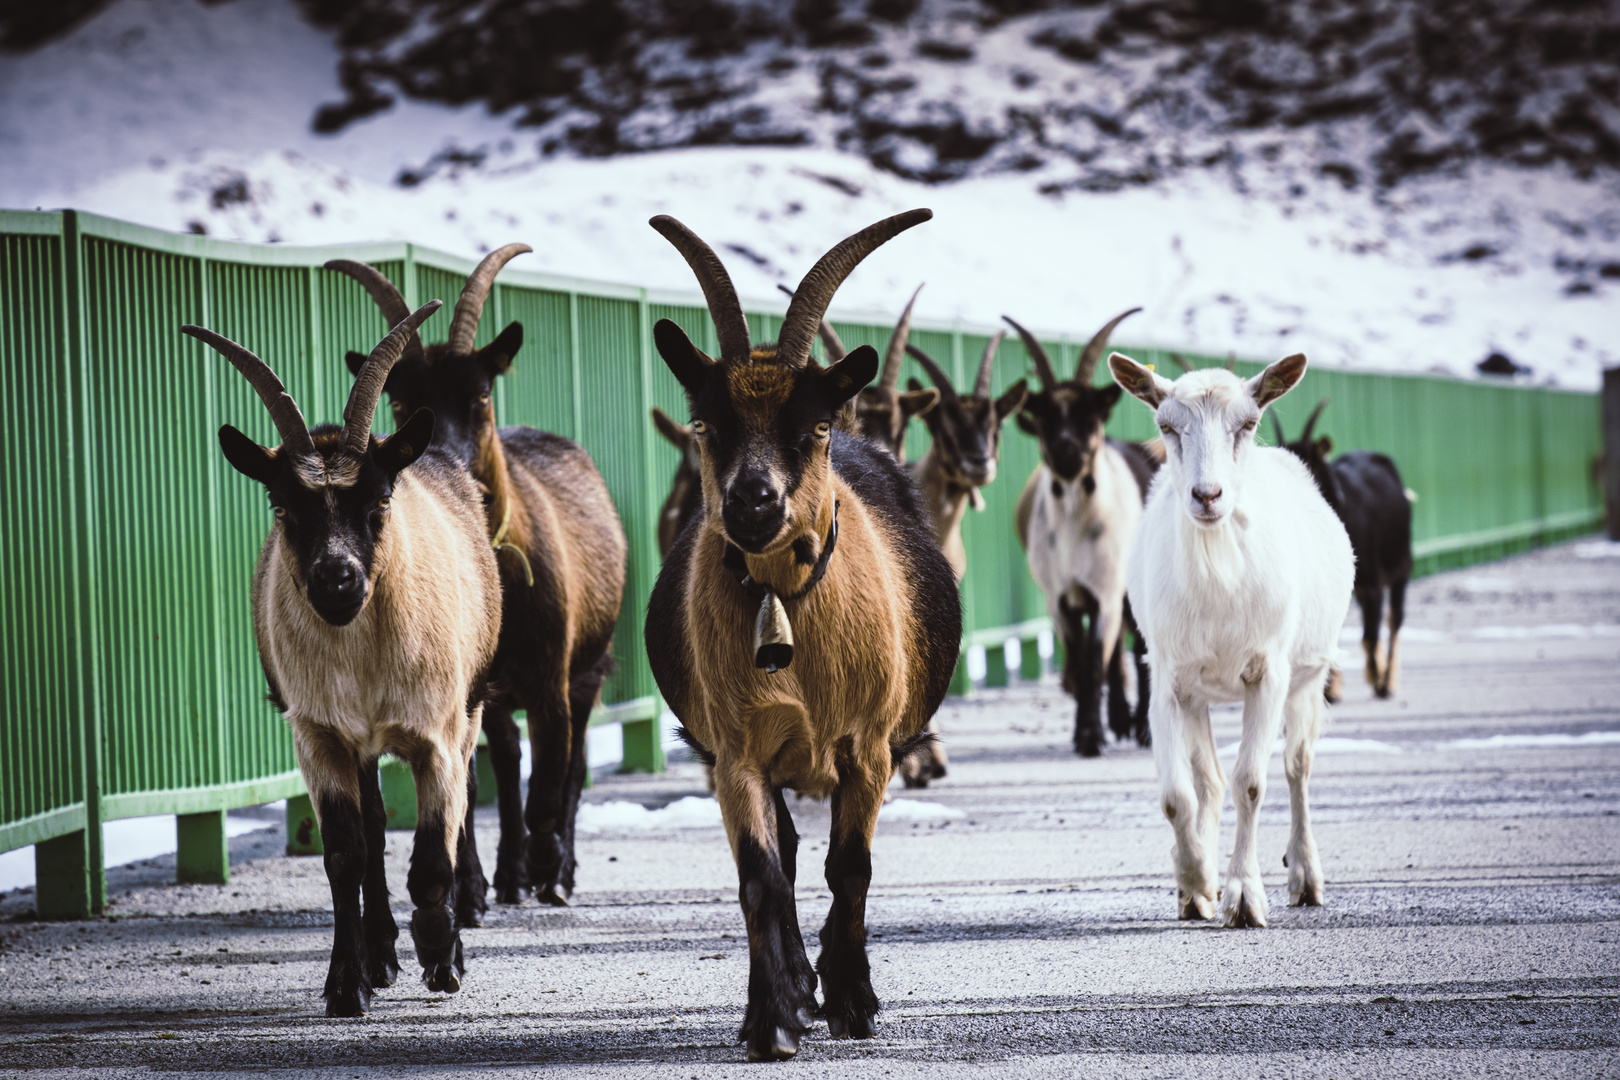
point(773, 635)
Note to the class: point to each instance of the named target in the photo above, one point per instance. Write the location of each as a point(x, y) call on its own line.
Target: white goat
point(1240, 578)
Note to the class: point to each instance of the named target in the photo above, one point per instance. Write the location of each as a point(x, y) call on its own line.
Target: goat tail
point(699, 751)
point(899, 752)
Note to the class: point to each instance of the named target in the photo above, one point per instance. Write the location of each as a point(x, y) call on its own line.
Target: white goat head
point(1208, 418)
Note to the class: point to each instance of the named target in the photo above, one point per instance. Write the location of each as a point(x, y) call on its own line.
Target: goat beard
point(1216, 554)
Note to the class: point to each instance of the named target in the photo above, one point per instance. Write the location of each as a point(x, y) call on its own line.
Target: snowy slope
point(188, 117)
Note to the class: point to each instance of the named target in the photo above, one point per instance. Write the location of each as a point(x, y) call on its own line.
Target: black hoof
point(1144, 737)
point(938, 772)
point(469, 918)
point(442, 979)
point(782, 1045)
point(383, 969)
point(508, 895)
point(346, 995)
point(1088, 746)
point(551, 898)
point(918, 781)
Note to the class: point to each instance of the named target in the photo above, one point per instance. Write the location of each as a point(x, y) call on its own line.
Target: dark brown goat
point(815, 538)
point(685, 499)
point(1365, 490)
point(562, 558)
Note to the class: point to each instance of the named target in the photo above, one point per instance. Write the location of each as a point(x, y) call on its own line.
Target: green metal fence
point(131, 685)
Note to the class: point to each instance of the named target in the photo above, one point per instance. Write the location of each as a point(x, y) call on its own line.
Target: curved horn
point(368, 385)
point(816, 290)
point(1180, 362)
point(1094, 348)
point(1037, 353)
point(730, 324)
point(284, 411)
point(981, 385)
point(829, 337)
point(947, 392)
point(1276, 424)
point(1310, 424)
point(470, 306)
point(889, 377)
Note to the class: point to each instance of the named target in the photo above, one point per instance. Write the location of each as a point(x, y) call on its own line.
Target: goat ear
point(1026, 422)
point(355, 360)
point(407, 444)
point(844, 379)
point(498, 355)
point(689, 365)
point(1324, 447)
point(1138, 380)
point(1277, 379)
point(918, 400)
point(1012, 400)
point(677, 433)
point(246, 456)
point(1110, 395)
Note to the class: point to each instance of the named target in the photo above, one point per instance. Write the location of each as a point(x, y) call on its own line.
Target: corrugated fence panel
point(266, 309)
point(616, 434)
point(349, 320)
point(152, 425)
point(40, 708)
point(538, 390)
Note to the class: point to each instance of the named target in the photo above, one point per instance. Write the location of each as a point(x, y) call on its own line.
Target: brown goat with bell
point(804, 630)
point(376, 608)
point(561, 552)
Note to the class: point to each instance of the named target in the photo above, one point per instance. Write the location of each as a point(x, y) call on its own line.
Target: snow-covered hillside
point(198, 117)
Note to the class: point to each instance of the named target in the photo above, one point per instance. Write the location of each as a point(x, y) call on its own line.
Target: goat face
point(881, 415)
point(1068, 420)
point(762, 429)
point(967, 432)
point(331, 509)
point(1208, 419)
point(456, 387)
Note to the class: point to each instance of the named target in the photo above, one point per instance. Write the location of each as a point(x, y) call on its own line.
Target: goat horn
point(1282, 440)
point(1037, 353)
point(981, 385)
point(829, 337)
point(1310, 425)
point(383, 293)
point(368, 385)
point(1180, 362)
point(889, 377)
point(947, 392)
point(284, 411)
point(730, 324)
point(815, 291)
point(1094, 348)
point(470, 306)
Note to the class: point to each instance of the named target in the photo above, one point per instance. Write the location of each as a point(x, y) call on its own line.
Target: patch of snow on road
point(1498, 742)
point(123, 841)
point(1598, 549)
point(917, 810)
point(690, 812)
point(1545, 631)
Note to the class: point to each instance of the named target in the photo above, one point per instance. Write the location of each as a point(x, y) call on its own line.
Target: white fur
point(1241, 598)
point(1079, 542)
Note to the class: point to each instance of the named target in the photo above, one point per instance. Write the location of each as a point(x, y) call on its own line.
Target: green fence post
point(398, 792)
point(204, 857)
point(303, 831)
point(995, 665)
point(62, 885)
point(643, 747)
point(1030, 668)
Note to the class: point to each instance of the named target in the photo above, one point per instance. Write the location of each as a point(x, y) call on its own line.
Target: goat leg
point(787, 846)
point(382, 961)
point(506, 760)
point(471, 884)
point(348, 984)
point(551, 738)
point(441, 788)
point(1083, 674)
point(849, 1003)
point(1397, 616)
point(1371, 600)
point(1243, 902)
point(1304, 720)
point(583, 691)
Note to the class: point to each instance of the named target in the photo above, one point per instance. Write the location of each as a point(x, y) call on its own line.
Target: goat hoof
point(837, 1027)
point(551, 897)
point(1310, 896)
point(782, 1046)
point(1091, 747)
point(350, 1000)
point(442, 979)
point(937, 772)
point(509, 895)
point(1199, 907)
point(918, 781)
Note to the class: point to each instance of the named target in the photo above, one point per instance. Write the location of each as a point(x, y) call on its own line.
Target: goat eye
point(823, 430)
point(398, 407)
point(1167, 429)
point(382, 504)
point(699, 427)
point(1248, 425)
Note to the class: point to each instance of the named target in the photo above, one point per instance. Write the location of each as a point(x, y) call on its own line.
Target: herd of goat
point(419, 587)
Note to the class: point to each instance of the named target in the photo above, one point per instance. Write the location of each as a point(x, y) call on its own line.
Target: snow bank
point(917, 810)
point(1498, 742)
point(1327, 744)
point(123, 841)
point(617, 815)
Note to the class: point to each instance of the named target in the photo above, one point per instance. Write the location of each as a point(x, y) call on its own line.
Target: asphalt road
point(1022, 919)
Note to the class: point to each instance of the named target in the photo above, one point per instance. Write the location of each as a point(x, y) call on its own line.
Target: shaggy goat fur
point(1240, 577)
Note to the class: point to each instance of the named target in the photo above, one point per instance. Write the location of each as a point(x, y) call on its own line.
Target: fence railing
point(131, 684)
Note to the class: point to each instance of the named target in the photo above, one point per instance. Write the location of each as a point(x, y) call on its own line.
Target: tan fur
point(396, 679)
point(489, 469)
point(1021, 511)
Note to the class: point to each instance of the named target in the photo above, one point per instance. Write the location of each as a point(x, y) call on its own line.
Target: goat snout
point(337, 589)
point(753, 510)
point(1207, 495)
